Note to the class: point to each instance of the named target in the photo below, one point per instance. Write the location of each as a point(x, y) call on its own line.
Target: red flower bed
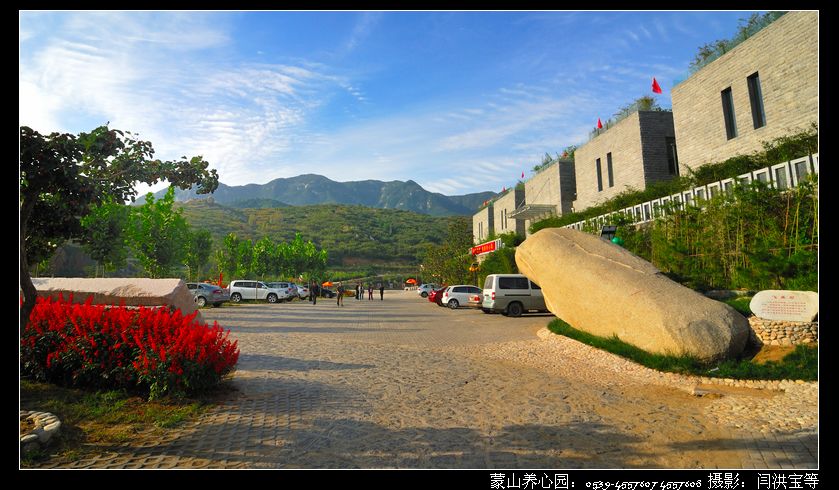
point(147, 349)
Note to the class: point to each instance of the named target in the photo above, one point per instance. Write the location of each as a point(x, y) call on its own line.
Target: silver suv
point(208, 293)
point(240, 290)
point(511, 294)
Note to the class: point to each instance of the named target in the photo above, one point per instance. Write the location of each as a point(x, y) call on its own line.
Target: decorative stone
point(603, 289)
point(116, 290)
point(795, 306)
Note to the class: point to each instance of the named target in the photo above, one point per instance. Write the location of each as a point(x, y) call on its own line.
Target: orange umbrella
point(328, 284)
point(411, 281)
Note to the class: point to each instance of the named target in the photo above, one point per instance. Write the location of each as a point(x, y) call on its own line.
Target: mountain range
point(311, 189)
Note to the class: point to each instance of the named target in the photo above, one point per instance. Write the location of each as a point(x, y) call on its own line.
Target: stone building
point(637, 151)
point(766, 87)
point(551, 191)
point(482, 223)
point(503, 208)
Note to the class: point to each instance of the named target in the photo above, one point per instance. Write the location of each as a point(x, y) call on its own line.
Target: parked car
point(424, 289)
point(436, 295)
point(302, 292)
point(511, 294)
point(204, 293)
point(288, 287)
point(240, 290)
point(327, 293)
point(462, 294)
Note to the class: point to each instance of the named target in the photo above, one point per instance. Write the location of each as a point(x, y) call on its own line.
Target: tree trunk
point(29, 292)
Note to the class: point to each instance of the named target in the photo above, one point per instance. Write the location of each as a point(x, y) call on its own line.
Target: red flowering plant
point(147, 349)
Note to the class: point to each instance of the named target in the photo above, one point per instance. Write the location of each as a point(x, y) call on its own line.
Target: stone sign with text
point(791, 306)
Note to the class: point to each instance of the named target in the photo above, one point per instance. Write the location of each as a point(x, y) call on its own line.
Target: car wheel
point(453, 304)
point(216, 305)
point(514, 309)
point(272, 298)
point(424, 294)
point(235, 297)
point(201, 301)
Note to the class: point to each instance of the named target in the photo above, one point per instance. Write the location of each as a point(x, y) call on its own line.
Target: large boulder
point(116, 290)
point(603, 289)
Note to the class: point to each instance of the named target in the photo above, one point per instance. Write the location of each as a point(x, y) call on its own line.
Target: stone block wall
point(776, 332)
point(785, 54)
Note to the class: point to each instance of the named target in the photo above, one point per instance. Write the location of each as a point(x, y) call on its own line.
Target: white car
point(302, 292)
point(288, 287)
point(424, 289)
point(462, 294)
point(240, 290)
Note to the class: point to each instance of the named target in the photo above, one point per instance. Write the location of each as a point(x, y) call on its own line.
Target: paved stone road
point(403, 383)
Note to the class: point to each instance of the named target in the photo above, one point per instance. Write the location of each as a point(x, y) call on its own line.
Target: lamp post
point(474, 270)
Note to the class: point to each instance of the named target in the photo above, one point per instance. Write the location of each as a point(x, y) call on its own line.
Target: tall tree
point(63, 175)
point(158, 234)
point(104, 233)
point(199, 243)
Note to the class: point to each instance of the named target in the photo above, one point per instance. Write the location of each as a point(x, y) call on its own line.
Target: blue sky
point(457, 101)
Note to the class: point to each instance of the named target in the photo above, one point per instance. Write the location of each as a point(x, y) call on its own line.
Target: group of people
point(359, 292)
point(340, 291)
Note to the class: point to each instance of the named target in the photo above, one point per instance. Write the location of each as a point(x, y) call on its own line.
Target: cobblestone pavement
point(403, 383)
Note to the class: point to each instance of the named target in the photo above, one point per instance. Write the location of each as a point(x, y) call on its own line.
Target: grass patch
point(802, 363)
point(96, 420)
point(741, 304)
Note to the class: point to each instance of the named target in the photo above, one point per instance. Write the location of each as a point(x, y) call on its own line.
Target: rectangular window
point(609, 169)
point(599, 176)
point(672, 156)
point(728, 114)
point(756, 99)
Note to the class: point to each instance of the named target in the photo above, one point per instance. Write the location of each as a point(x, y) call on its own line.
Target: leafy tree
point(228, 257)
point(104, 233)
point(264, 257)
point(63, 175)
point(198, 246)
point(450, 261)
point(244, 258)
point(158, 234)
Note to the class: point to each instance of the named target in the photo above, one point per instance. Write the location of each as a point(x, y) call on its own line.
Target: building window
point(728, 114)
point(672, 156)
point(599, 176)
point(756, 98)
point(609, 169)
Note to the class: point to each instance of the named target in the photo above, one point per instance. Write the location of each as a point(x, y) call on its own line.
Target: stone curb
point(47, 425)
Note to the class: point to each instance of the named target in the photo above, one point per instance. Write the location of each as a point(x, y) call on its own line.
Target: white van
point(511, 294)
point(240, 290)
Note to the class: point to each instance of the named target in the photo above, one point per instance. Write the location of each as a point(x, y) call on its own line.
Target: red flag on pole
point(522, 175)
point(504, 189)
point(599, 124)
point(656, 87)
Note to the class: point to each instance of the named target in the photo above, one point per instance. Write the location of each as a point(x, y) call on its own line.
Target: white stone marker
point(791, 306)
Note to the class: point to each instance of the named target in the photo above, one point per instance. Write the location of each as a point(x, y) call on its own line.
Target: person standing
point(370, 291)
point(314, 292)
point(358, 291)
point(340, 296)
point(381, 292)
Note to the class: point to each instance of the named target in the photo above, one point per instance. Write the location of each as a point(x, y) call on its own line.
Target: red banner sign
point(486, 248)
